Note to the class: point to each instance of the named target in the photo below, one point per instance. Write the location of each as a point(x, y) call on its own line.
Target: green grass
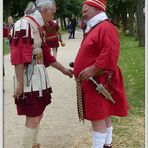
point(129, 131)
point(131, 62)
point(5, 47)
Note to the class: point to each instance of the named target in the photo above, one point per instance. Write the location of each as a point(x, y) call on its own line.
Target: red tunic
point(100, 47)
point(5, 32)
point(51, 29)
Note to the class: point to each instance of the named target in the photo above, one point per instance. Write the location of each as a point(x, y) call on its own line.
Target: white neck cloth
point(95, 20)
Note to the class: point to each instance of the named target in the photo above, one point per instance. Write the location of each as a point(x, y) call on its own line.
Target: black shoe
point(106, 146)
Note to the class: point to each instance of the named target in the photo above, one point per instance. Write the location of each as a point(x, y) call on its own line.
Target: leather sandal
point(36, 146)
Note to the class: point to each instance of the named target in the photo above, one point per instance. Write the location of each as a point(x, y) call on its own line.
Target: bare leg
point(31, 126)
point(54, 51)
point(99, 126)
point(108, 122)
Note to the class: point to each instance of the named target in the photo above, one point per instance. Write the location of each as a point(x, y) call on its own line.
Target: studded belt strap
point(79, 100)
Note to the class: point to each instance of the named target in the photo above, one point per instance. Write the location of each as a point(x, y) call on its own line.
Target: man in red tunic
point(97, 58)
point(53, 36)
point(30, 55)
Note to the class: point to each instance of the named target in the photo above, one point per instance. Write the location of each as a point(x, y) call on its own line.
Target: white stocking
point(98, 139)
point(28, 137)
point(108, 139)
point(35, 139)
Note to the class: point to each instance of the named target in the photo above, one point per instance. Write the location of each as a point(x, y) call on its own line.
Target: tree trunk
point(64, 21)
point(61, 22)
point(7, 9)
point(131, 18)
point(123, 12)
point(141, 23)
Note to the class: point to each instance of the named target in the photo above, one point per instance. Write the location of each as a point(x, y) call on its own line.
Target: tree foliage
point(14, 8)
point(65, 7)
point(125, 12)
point(128, 14)
point(68, 7)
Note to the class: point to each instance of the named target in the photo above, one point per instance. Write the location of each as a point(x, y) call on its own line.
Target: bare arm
point(60, 38)
point(61, 68)
point(19, 70)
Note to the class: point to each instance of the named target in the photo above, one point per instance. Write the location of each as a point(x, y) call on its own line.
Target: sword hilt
point(92, 79)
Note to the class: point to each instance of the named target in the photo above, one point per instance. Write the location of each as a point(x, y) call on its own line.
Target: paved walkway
point(60, 127)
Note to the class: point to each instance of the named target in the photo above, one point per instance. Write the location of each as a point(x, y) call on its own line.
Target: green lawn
point(131, 62)
point(129, 132)
point(5, 46)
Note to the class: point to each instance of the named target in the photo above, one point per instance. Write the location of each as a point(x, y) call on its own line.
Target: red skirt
point(96, 107)
point(31, 105)
point(52, 44)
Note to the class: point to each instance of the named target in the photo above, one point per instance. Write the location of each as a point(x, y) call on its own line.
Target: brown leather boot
point(36, 146)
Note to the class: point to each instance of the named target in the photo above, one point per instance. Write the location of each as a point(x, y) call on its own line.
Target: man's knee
point(32, 122)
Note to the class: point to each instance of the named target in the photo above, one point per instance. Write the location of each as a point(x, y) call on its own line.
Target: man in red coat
point(97, 58)
point(53, 36)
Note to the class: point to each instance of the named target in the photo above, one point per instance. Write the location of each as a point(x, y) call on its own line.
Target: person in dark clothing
point(73, 24)
point(69, 30)
point(83, 26)
point(10, 25)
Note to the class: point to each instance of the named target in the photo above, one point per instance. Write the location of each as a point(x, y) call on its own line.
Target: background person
point(10, 23)
point(69, 29)
point(53, 36)
point(83, 26)
point(5, 31)
point(73, 26)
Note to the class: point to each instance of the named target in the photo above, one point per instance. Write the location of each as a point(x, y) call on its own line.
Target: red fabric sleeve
point(21, 51)
point(21, 44)
point(48, 58)
point(109, 43)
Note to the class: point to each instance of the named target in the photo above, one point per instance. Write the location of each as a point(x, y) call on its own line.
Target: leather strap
point(41, 29)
